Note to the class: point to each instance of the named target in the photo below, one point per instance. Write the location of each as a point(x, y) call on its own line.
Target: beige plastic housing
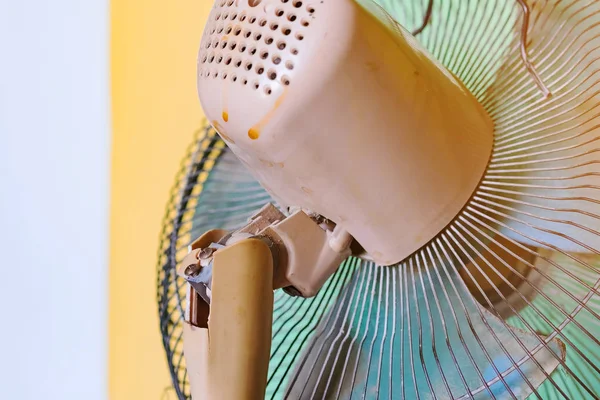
point(306, 257)
point(343, 113)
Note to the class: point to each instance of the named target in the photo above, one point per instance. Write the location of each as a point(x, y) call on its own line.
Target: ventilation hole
point(211, 58)
point(247, 34)
point(304, 22)
point(215, 74)
point(268, 90)
point(294, 51)
point(257, 36)
point(233, 16)
point(248, 66)
point(243, 17)
point(279, 12)
point(264, 54)
point(291, 17)
point(242, 48)
point(233, 78)
point(284, 1)
point(262, 22)
point(219, 59)
point(238, 62)
point(244, 81)
point(224, 44)
point(272, 74)
point(213, 31)
point(310, 9)
point(276, 60)
point(215, 44)
point(224, 75)
point(220, 29)
point(225, 16)
point(228, 61)
point(222, 3)
point(204, 59)
point(289, 65)
point(237, 31)
point(299, 36)
point(254, 3)
point(285, 80)
point(232, 45)
point(269, 40)
point(252, 51)
point(281, 45)
point(208, 44)
point(255, 85)
point(218, 16)
point(228, 30)
point(297, 4)
point(260, 69)
point(252, 20)
point(274, 26)
point(206, 74)
point(230, 3)
point(286, 31)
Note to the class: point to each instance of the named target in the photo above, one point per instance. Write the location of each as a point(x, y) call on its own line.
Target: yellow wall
point(155, 111)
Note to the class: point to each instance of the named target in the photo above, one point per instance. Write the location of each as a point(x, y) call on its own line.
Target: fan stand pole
point(229, 360)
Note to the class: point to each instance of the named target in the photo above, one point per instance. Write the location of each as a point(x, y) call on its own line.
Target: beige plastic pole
point(230, 359)
point(195, 350)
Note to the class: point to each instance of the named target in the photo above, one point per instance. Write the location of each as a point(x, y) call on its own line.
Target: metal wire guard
point(448, 322)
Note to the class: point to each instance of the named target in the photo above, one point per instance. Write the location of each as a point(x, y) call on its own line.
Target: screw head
point(206, 253)
point(193, 270)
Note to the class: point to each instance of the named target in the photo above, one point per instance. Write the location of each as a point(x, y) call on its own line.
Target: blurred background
point(97, 105)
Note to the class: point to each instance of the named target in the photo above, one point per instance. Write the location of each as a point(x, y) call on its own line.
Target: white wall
point(54, 169)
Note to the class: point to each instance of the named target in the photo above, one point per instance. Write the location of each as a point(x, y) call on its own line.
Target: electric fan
point(424, 206)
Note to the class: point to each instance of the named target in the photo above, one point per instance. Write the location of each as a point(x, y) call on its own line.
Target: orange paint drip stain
point(225, 116)
point(253, 133)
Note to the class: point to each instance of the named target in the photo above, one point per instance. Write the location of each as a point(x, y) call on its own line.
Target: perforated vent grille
point(254, 45)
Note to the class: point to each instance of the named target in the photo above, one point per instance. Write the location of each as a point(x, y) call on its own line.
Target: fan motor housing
point(337, 109)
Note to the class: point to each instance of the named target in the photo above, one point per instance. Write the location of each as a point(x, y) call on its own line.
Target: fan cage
point(550, 319)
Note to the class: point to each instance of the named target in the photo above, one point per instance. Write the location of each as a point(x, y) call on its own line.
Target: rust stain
point(221, 131)
point(271, 164)
point(254, 132)
point(225, 116)
point(267, 163)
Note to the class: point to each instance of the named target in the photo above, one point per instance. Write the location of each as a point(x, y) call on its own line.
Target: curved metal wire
point(505, 302)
